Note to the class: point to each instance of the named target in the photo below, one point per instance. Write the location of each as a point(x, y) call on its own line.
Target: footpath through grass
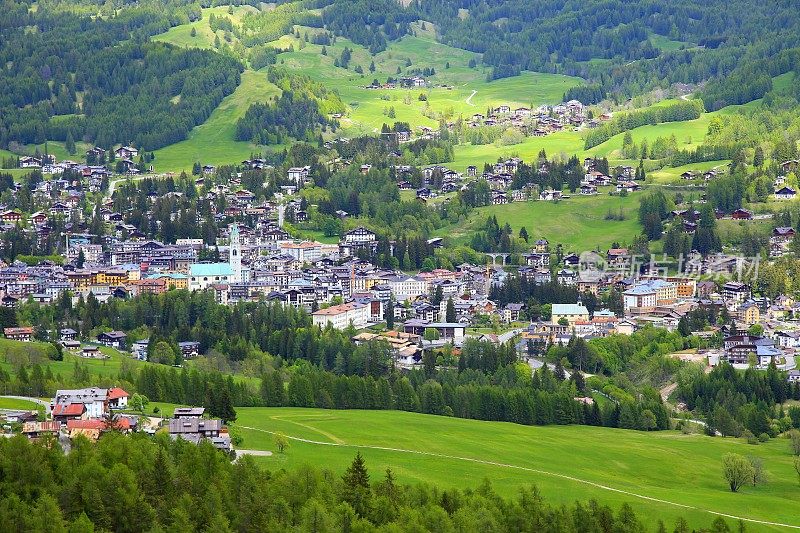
point(664, 475)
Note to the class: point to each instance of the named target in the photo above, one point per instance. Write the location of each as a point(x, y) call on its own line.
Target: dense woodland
point(98, 79)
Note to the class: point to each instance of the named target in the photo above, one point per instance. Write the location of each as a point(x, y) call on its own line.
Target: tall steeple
point(235, 254)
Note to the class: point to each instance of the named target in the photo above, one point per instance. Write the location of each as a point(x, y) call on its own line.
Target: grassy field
point(15, 353)
point(213, 142)
point(13, 403)
point(204, 37)
point(12, 353)
point(578, 222)
point(567, 463)
point(672, 175)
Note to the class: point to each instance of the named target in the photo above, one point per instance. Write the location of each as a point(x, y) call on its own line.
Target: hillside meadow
point(578, 223)
point(663, 474)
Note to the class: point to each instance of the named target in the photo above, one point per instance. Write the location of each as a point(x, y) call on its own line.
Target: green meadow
point(14, 403)
point(663, 475)
point(214, 141)
point(578, 223)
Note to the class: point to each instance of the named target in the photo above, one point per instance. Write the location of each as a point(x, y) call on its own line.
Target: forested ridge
point(101, 78)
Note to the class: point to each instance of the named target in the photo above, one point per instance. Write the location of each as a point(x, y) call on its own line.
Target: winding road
point(537, 471)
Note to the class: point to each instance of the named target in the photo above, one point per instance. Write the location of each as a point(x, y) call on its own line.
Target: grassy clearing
point(684, 469)
point(666, 44)
point(213, 141)
point(672, 175)
point(23, 405)
point(204, 36)
point(578, 222)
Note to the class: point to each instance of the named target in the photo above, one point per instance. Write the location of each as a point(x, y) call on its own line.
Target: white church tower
point(235, 255)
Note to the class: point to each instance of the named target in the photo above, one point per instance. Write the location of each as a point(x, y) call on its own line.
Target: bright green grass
point(367, 108)
point(204, 38)
point(213, 141)
point(684, 469)
point(57, 149)
point(666, 44)
point(578, 222)
point(672, 175)
point(103, 368)
point(12, 403)
point(106, 370)
point(783, 82)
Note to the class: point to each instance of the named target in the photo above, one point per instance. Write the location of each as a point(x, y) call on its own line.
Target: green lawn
point(213, 142)
point(23, 405)
point(578, 222)
point(568, 463)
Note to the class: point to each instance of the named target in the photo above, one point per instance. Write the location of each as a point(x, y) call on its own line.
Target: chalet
point(188, 412)
point(618, 257)
point(30, 162)
point(628, 186)
point(298, 174)
point(735, 291)
point(10, 216)
point(423, 193)
point(208, 169)
point(588, 190)
point(567, 277)
point(126, 152)
point(24, 334)
point(782, 235)
point(550, 195)
point(196, 429)
point(113, 339)
point(189, 349)
point(785, 193)
point(67, 334)
point(688, 175)
point(742, 214)
point(499, 198)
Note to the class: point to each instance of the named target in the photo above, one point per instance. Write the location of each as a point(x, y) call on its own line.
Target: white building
point(304, 252)
point(407, 287)
point(341, 316)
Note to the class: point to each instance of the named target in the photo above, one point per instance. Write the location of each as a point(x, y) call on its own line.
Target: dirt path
point(469, 98)
point(667, 390)
point(537, 471)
